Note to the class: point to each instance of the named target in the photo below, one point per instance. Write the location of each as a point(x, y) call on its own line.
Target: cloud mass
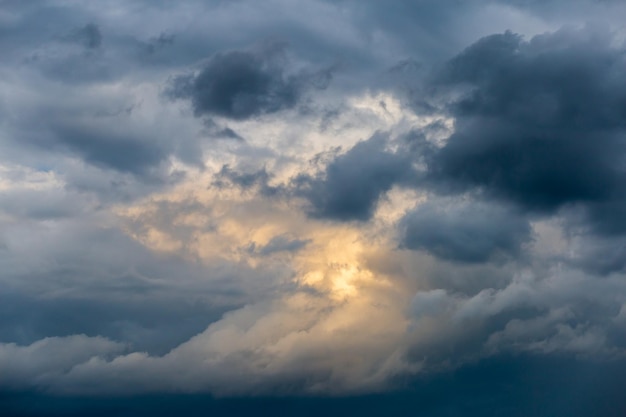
point(314, 206)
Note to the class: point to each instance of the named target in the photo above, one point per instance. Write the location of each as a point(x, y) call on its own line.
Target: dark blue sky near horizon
point(307, 207)
point(502, 386)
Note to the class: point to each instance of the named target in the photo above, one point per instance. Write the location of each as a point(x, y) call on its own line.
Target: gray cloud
point(244, 180)
point(78, 278)
point(282, 243)
point(352, 183)
point(110, 149)
point(229, 133)
point(89, 36)
point(541, 123)
point(465, 232)
point(50, 357)
point(125, 228)
point(240, 84)
point(258, 180)
point(602, 255)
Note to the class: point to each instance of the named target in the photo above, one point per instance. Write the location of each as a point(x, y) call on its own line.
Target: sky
point(313, 207)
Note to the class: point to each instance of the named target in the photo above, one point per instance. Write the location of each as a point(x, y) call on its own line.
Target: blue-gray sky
point(287, 206)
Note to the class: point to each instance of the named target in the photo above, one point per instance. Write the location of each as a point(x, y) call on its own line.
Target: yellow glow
point(330, 262)
point(359, 279)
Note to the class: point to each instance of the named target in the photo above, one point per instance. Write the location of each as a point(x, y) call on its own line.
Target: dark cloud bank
point(540, 126)
point(510, 386)
point(543, 121)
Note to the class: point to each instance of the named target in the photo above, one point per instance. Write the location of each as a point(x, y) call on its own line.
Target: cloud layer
point(245, 198)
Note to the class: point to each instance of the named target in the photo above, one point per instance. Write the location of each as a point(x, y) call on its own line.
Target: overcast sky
point(292, 207)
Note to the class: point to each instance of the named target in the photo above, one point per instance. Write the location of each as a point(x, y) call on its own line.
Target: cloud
point(560, 386)
point(299, 329)
point(48, 358)
point(241, 84)
point(247, 180)
point(305, 342)
point(282, 244)
point(187, 208)
point(88, 35)
point(111, 149)
point(229, 134)
point(538, 122)
point(464, 232)
point(353, 182)
point(70, 268)
point(602, 255)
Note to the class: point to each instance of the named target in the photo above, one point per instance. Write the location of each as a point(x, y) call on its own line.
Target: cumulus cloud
point(242, 84)
point(353, 182)
point(539, 122)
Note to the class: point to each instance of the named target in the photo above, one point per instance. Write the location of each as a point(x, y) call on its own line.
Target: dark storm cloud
point(240, 85)
point(540, 123)
point(465, 232)
point(352, 183)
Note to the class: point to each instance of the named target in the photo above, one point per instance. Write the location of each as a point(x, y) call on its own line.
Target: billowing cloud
point(23, 366)
point(540, 122)
point(242, 84)
point(353, 182)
